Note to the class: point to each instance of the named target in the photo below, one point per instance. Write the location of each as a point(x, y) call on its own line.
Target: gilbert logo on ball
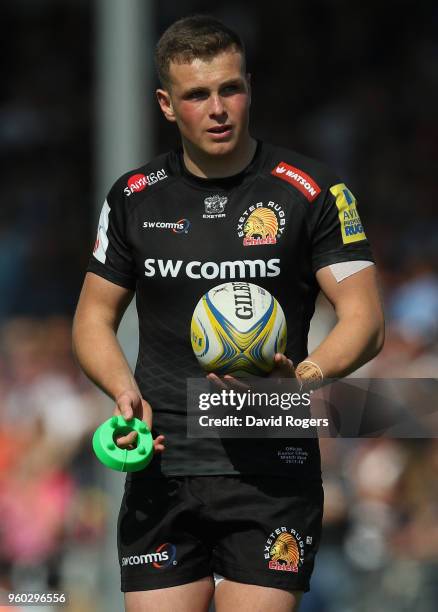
point(237, 328)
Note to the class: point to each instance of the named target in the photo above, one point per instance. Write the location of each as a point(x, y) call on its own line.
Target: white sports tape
point(344, 269)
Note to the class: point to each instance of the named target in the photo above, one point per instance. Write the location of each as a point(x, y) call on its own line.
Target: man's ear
point(165, 102)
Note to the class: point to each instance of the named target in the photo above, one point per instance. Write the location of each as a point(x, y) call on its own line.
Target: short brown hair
point(199, 36)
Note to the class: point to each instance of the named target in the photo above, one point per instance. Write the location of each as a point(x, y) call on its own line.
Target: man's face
point(209, 100)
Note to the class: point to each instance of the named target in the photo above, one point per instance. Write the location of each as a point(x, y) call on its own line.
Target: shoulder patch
point(351, 225)
point(299, 179)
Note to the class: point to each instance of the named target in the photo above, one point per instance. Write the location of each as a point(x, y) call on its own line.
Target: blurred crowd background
point(354, 84)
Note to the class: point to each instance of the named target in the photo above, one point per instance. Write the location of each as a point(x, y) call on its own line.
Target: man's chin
point(221, 149)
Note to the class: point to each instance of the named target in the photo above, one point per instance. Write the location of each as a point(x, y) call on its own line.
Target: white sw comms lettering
point(102, 238)
point(249, 268)
point(162, 225)
point(144, 559)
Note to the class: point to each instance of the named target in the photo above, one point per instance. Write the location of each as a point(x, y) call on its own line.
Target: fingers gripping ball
point(123, 459)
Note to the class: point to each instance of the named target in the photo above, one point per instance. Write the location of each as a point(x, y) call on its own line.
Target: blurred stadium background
point(355, 84)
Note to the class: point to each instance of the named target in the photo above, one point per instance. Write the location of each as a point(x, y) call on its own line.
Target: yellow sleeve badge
point(351, 225)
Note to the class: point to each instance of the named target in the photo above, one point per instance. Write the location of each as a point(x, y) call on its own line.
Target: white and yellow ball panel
point(225, 343)
point(220, 299)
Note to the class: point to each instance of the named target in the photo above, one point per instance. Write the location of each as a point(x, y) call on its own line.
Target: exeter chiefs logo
point(284, 550)
point(261, 224)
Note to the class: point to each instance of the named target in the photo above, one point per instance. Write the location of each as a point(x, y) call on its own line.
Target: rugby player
point(222, 207)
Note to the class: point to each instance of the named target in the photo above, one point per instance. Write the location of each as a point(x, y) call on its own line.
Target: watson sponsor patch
point(299, 179)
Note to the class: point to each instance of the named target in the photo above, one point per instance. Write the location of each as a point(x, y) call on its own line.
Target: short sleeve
point(337, 232)
point(112, 257)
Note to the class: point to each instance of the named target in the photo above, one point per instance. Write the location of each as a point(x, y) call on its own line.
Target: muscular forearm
point(353, 341)
point(98, 315)
point(100, 356)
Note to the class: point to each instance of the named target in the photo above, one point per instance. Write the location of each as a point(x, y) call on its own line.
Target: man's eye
point(197, 95)
point(231, 89)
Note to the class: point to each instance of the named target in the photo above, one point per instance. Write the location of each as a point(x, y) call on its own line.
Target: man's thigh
point(231, 595)
point(192, 597)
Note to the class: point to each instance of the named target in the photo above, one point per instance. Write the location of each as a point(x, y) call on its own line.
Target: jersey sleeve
point(112, 257)
point(337, 232)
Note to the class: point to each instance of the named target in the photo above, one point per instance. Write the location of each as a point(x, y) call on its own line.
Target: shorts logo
point(261, 224)
point(163, 557)
point(284, 550)
point(351, 225)
point(215, 207)
point(299, 179)
point(178, 227)
point(139, 182)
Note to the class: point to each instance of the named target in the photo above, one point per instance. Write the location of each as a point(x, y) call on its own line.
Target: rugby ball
point(237, 328)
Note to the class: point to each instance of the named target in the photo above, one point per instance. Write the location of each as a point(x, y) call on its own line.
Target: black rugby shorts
point(252, 529)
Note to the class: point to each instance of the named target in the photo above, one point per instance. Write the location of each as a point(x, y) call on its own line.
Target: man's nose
point(217, 107)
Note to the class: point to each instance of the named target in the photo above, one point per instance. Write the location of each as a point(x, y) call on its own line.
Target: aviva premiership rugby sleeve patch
point(351, 225)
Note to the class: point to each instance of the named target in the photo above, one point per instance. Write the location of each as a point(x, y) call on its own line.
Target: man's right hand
point(129, 404)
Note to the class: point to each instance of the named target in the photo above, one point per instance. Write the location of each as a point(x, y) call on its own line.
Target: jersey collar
point(177, 166)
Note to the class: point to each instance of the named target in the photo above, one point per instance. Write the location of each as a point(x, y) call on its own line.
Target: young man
point(169, 231)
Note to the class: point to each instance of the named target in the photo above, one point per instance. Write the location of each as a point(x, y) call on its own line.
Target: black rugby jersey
point(171, 236)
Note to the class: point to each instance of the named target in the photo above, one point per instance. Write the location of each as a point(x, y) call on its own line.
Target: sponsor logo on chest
point(210, 270)
point(139, 182)
point(178, 227)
